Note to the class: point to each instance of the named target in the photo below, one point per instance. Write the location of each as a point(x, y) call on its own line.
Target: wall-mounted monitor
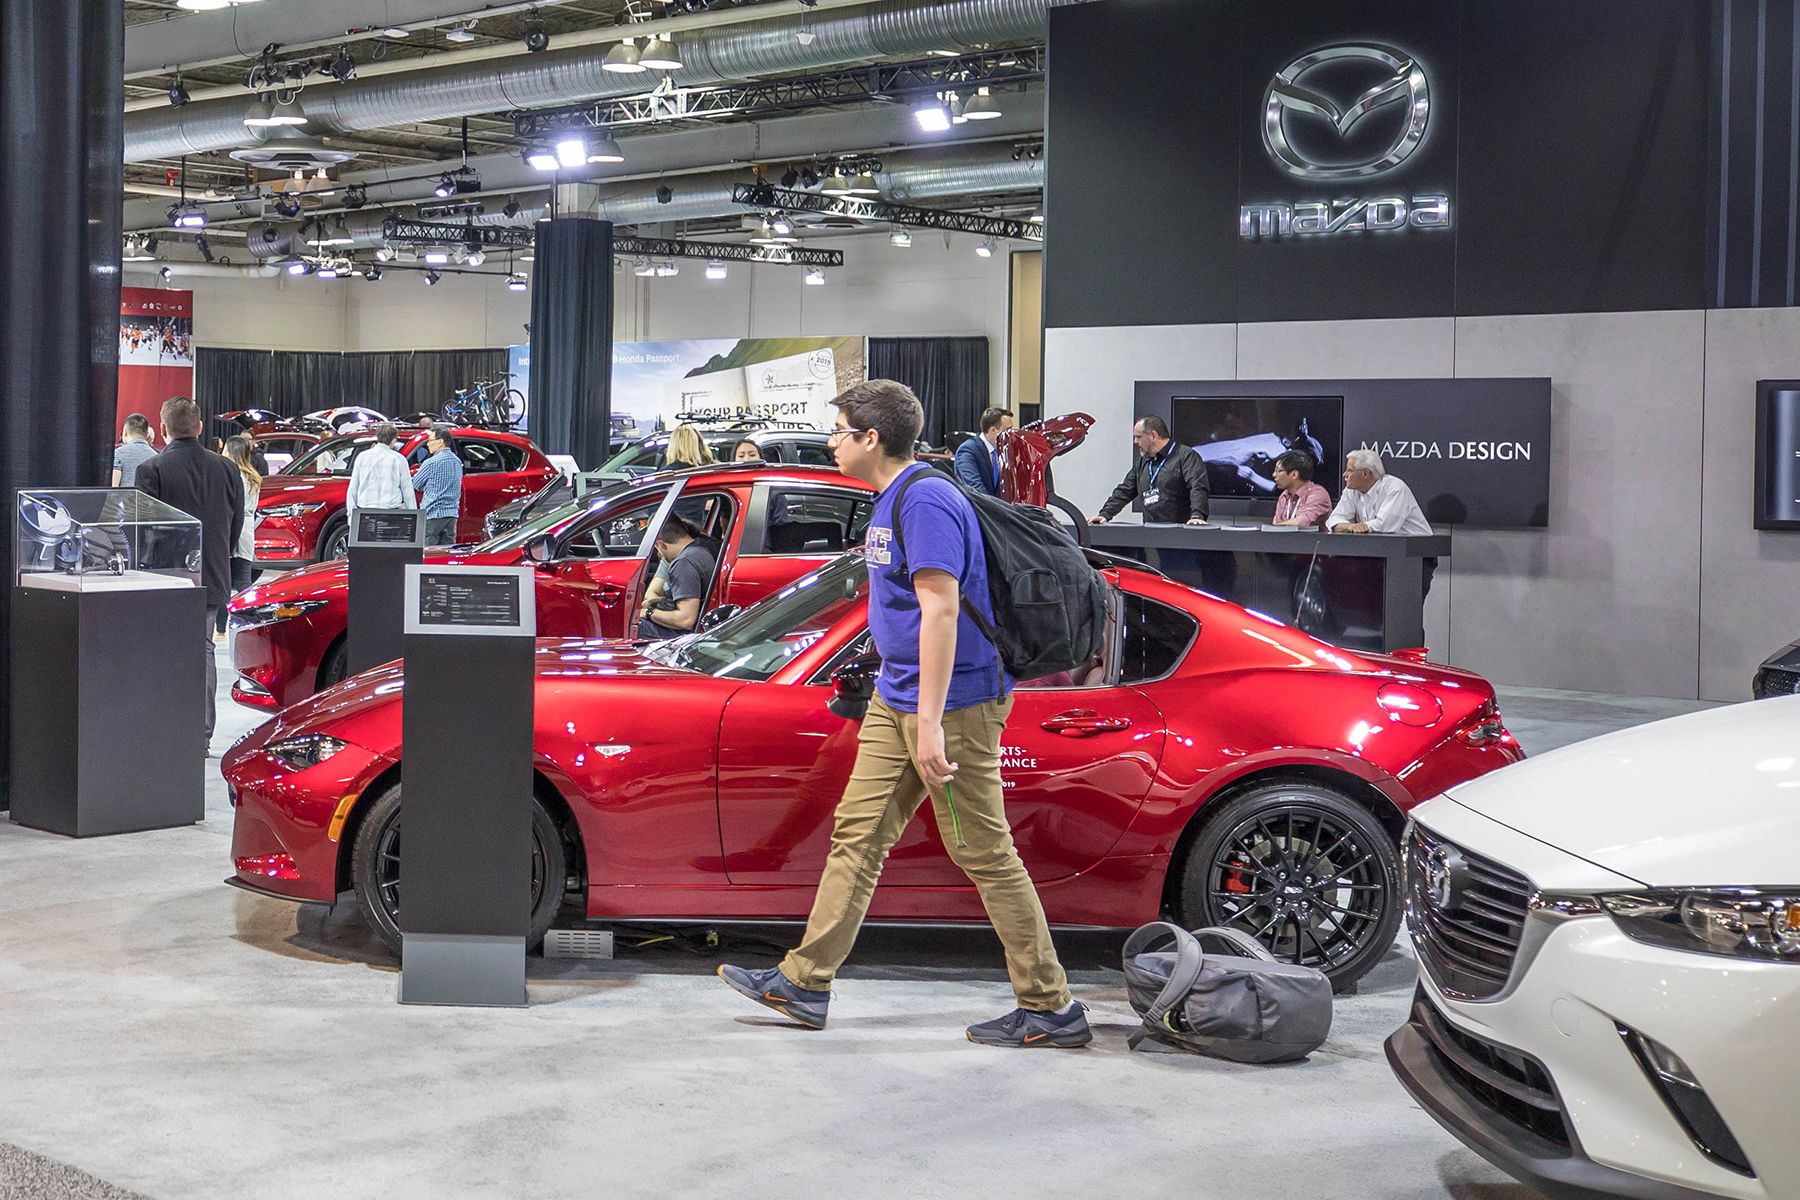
point(1240, 437)
point(1777, 502)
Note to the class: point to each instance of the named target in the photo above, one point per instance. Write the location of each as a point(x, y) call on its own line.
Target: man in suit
point(206, 487)
point(978, 459)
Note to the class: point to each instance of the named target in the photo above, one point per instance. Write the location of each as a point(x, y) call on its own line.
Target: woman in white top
point(243, 555)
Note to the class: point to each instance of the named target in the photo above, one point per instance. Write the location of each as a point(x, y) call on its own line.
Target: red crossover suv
point(1213, 762)
point(773, 524)
point(300, 516)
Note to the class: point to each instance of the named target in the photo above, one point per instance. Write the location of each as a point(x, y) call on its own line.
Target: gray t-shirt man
point(128, 456)
point(690, 576)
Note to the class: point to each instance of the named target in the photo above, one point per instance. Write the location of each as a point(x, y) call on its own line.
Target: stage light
point(187, 216)
point(437, 257)
point(432, 278)
point(623, 58)
point(781, 225)
point(572, 152)
point(297, 268)
point(541, 159)
point(715, 270)
point(537, 39)
point(809, 178)
point(664, 193)
point(659, 54)
point(328, 271)
point(385, 254)
point(356, 196)
point(372, 274)
point(477, 257)
point(665, 270)
point(836, 184)
point(982, 106)
point(178, 93)
point(517, 283)
point(864, 185)
point(510, 209)
point(446, 187)
point(815, 277)
point(460, 33)
point(984, 250)
point(343, 67)
point(789, 177)
point(1036, 217)
point(900, 238)
point(932, 117)
point(605, 149)
point(644, 270)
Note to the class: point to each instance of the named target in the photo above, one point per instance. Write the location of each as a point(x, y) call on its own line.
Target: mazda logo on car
point(1290, 98)
point(1444, 871)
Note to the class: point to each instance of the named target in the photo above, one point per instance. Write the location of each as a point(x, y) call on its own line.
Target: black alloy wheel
point(334, 539)
point(334, 668)
point(1305, 870)
point(375, 870)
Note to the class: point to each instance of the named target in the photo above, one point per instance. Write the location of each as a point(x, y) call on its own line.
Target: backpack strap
point(1189, 958)
point(985, 626)
point(1238, 939)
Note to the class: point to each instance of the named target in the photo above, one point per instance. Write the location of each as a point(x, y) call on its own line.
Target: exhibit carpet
point(184, 1041)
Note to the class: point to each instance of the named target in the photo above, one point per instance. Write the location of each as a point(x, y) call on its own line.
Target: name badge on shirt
point(1153, 496)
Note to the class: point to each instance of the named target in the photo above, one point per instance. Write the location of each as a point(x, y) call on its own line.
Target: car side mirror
point(853, 686)
point(538, 552)
point(719, 615)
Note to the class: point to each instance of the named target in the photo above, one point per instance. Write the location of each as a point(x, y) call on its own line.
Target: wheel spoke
point(1359, 862)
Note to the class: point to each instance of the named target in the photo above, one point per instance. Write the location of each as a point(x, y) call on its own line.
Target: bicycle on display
point(486, 404)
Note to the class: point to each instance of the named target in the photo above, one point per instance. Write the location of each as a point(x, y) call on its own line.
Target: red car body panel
point(278, 664)
point(711, 798)
point(289, 541)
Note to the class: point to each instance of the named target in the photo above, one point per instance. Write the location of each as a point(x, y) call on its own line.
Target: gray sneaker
point(1025, 1029)
point(771, 989)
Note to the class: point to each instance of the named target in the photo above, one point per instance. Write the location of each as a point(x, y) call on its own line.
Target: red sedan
point(1215, 763)
point(300, 515)
point(773, 524)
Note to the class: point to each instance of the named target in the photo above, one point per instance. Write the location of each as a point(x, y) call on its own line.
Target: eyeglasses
point(831, 438)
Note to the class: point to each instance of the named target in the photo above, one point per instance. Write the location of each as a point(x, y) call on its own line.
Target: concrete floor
point(166, 1036)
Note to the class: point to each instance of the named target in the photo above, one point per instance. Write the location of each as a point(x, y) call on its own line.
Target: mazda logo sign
point(1444, 872)
point(1289, 99)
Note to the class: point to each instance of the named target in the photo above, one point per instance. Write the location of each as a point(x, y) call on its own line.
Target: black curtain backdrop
point(381, 380)
point(290, 382)
point(305, 380)
point(571, 338)
point(438, 373)
point(229, 380)
point(62, 100)
point(949, 374)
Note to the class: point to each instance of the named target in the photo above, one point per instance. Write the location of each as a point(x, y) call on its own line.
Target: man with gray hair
point(1376, 502)
point(380, 478)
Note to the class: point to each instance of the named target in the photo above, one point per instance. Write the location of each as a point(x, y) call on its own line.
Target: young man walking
point(933, 729)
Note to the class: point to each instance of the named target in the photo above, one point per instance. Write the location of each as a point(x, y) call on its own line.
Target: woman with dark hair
point(238, 452)
point(746, 451)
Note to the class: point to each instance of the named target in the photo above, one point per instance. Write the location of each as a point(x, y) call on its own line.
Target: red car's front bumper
point(278, 663)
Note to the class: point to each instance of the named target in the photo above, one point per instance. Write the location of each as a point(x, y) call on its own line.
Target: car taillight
point(1484, 728)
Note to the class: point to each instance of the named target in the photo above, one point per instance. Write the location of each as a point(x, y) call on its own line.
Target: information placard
point(471, 601)
point(388, 527)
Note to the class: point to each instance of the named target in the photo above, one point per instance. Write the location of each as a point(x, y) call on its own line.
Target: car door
point(792, 528)
point(585, 588)
point(493, 474)
point(1077, 758)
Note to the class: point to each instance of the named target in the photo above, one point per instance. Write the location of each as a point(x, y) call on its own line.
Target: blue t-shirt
point(940, 532)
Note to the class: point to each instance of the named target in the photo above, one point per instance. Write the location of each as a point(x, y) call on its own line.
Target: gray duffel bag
point(1243, 1006)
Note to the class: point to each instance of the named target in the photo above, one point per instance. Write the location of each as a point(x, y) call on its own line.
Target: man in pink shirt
point(1302, 502)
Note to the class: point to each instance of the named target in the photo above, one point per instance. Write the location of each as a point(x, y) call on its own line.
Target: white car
point(1609, 950)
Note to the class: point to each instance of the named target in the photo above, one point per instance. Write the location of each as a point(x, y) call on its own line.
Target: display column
point(383, 543)
point(62, 104)
point(466, 863)
point(571, 338)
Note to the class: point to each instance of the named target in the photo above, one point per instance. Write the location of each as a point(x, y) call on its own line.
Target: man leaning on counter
point(1170, 478)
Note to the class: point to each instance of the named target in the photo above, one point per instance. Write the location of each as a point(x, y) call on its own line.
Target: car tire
point(1302, 867)
point(334, 668)
point(334, 539)
point(374, 863)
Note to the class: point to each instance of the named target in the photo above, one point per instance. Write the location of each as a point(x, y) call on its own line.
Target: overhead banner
point(658, 385)
point(156, 351)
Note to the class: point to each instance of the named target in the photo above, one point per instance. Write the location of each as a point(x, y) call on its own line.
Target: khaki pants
point(883, 794)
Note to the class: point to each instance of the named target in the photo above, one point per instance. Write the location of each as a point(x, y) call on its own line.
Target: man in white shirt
point(380, 478)
point(1376, 502)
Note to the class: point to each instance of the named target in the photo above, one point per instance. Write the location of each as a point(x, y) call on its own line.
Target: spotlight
point(343, 67)
point(644, 270)
point(667, 269)
point(790, 177)
point(136, 250)
point(864, 185)
point(385, 254)
point(432, 278)
point(715, 269)
point(372, 273)
point(460, 33)
point(266, 112)
point(605, 150)
point(446, 187)
point(809, 178)
point(178, 93)
point(517, 283)
point(356, 196)
point(572, 152)
point(167, 274)
point(510, 209)
point(541, 159)
point(932, 117)
point(477, 257)
point(437, 256)
point(537, 40)
point(836, 184)
point(664, 193)
point(203, 246)
point(815, 277)
point(659, 54)
point(1036, 217)
point(984, 250)
point(187, 216)
point(781, 225)
point(982, 107)
point(298, 268)
point(328, 270)
point(900, 238)
point(623, 58)
point(287, 206)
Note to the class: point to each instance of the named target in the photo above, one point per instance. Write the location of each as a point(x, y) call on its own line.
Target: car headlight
point(306, 750)
point(289, 510)
point(268, 614)
point(1736, 922)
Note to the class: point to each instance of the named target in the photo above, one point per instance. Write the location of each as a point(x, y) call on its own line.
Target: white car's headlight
point(306, 750)
point(288, 510)
point(1737, 922)
point(268, 614)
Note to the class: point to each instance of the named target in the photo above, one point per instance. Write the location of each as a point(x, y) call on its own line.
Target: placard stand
point(466, 872)
point(383, 543)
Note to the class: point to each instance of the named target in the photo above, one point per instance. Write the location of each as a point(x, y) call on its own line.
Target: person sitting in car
point(675, 609)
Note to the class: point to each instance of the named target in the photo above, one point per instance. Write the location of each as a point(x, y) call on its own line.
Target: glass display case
point(103, 539)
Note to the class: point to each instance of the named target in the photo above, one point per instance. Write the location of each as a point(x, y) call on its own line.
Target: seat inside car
point(806, 537)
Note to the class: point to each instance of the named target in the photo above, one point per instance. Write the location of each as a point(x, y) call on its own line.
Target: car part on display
point(1779, 674)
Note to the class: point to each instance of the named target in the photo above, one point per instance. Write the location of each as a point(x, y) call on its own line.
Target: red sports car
point(300, 516)
point(773, 524)
point(1214, 762)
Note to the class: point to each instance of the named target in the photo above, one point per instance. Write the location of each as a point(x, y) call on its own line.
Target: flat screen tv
point(1240, 437)
point(1777, 454)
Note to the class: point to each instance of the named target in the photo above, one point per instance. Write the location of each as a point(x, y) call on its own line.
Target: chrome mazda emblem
point(1444, 878)
point(1288, 98)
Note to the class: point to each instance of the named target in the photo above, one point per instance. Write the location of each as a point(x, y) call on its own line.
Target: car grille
point(1512, 1085)
point(1468, 947)
point(1776, 681)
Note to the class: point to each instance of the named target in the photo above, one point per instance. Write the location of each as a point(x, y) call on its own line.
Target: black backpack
point(1051, 606)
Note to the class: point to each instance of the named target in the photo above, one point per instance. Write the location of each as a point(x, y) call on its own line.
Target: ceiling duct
point(894, 29)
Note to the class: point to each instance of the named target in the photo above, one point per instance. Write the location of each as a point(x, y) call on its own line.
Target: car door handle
point(609, 594)
point(1084, 722)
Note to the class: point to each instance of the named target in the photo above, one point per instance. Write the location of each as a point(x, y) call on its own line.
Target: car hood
point(320, 577)
point(1708, 799)
point(295, 489)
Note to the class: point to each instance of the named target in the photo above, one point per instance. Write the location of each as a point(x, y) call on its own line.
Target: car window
point(331, 458)
point(813, 454)
point(613, 532)
point(807, 521)
point(482, 457)
point(1155, 638)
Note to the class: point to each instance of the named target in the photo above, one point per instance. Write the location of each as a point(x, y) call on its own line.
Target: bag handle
point(1238, 939)
point(1188, 961)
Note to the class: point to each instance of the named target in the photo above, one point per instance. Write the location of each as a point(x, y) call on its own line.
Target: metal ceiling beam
point(427, 233)
point(763, 197)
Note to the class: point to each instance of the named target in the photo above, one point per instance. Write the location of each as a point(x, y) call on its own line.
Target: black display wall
point(1568, 143)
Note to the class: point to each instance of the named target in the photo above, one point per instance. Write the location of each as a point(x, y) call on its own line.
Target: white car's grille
point(1466, 914)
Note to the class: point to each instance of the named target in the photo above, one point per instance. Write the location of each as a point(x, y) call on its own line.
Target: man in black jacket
point(206, 487)
point(1170, 477)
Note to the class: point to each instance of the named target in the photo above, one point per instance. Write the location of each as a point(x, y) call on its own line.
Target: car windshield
point(765, 637)
point(647, 455)
point(333, 457)
point(539, 523)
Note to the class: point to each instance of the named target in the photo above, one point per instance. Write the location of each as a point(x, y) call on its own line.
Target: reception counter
point(1363, 590)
